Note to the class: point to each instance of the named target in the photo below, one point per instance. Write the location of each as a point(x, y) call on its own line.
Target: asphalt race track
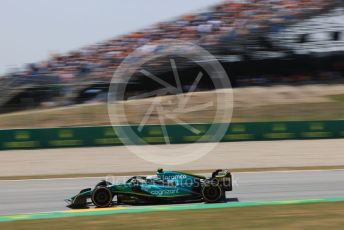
point(45, 195)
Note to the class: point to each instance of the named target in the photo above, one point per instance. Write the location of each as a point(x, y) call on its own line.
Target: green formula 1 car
point(164, 187)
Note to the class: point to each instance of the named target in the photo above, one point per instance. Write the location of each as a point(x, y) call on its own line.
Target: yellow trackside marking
point(95, 209)
point(290, 202)
point(20, 217)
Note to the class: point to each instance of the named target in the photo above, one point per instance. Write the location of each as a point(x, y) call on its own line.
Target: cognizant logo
point(174, 177)
point(165, 192)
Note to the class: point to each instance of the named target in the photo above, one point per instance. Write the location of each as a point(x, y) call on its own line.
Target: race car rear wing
point(224, 177)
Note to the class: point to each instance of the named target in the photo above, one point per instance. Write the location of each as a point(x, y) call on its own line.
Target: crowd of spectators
point(231, 20)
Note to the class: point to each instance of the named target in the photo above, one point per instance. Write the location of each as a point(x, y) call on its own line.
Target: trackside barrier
point(153, 134)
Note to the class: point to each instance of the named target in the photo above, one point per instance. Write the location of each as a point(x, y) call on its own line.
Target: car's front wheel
point(103, 183)
point(102, 197)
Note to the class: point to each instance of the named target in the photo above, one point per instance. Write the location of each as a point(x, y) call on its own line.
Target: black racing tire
point(212, 193)
point(103, 183)
point(102, 197)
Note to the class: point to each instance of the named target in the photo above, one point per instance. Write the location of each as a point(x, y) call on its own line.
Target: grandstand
point(262, 43)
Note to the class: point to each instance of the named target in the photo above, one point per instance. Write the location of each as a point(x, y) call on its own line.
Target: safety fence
point(154, 134)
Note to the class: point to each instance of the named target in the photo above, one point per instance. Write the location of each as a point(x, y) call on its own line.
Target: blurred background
point(284, 59)
point(285, 62)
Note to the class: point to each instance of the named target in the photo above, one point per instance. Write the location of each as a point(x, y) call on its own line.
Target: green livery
point(164, 187)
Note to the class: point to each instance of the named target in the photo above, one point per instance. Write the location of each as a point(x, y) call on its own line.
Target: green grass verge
point(338, 97)
point(301, 216)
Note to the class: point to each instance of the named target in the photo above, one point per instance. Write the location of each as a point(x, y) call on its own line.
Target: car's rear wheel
point(212, 193)
point(102, 197)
